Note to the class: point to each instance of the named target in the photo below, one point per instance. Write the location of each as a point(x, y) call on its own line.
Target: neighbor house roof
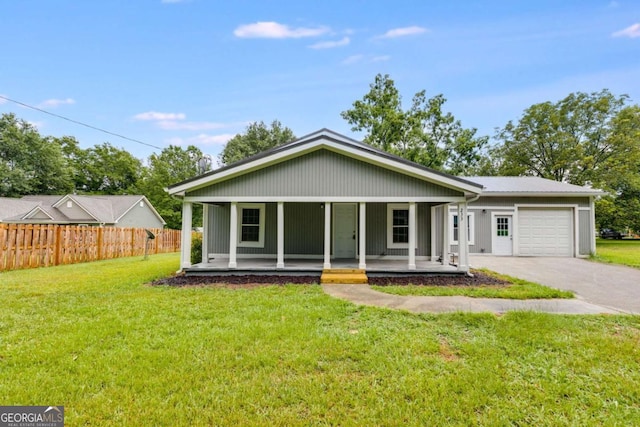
point(529, 186)
point(326, 138)
point(102, 209)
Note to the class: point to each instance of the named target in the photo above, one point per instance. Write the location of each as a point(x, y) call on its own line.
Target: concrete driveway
point(607, 285)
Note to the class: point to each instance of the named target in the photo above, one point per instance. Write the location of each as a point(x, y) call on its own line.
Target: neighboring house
point(116, 211)
point(330, 200)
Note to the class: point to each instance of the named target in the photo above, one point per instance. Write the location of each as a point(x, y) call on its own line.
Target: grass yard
point(113, 351)
point(517, 289)
point(625, 252)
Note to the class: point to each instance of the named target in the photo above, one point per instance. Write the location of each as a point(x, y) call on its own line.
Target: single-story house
point(72, 209)
point(326, 200)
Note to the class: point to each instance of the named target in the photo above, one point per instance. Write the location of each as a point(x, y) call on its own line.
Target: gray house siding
point(140, 216)
point(75, 212)
point(585, 231)
point(483, 220)
point(304, 230)
point(323, 173)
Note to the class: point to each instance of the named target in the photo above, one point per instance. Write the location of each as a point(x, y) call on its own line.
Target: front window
point(397, 225)
point(251, 225)
point(454, 228)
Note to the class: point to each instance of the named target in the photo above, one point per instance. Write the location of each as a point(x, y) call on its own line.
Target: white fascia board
point(353, 152)
point(69, 197)
point(276, 157)
point(34, 210)
point(541, 194)
point(321, 199)
point(141, 199)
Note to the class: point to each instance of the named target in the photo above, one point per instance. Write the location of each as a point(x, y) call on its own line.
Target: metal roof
point(531, 185)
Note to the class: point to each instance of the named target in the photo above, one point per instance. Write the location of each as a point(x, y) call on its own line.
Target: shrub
point(196, 248)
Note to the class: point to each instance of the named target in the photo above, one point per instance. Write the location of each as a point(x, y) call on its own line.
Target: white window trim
point(390, 208)
point(260, 242)
point(471, 227)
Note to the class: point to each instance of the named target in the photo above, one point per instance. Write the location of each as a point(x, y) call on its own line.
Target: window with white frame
point(454, 228)
point(251, 225)
point(398, 225)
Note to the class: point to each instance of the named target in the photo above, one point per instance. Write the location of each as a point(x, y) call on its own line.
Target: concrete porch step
point(349, 276)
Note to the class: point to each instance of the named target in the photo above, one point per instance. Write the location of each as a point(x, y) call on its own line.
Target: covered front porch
point(312, 267)
point(294, 237)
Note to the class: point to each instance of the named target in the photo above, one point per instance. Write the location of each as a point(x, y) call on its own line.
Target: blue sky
point(197, 71)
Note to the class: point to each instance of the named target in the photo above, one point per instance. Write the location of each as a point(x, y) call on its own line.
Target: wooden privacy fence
point(35, 245)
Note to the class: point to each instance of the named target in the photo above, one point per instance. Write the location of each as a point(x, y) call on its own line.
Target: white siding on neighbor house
point(324, 173)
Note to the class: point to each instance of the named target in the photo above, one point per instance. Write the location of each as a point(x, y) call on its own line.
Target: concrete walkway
point(613, 286)
point(599, 288)
point(364, 295)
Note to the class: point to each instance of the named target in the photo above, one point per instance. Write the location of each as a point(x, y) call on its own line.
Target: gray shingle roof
point(505, 185)
point(105, 209)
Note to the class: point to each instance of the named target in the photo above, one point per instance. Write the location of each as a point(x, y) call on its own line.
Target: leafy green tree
point(571, 140)
point(172, 165)
point(256, 138)
point(30, 163)
point(105, 169)
point(585, 138)
point(423, 134)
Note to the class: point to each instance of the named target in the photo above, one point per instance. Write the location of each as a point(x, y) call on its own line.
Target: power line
point(80, 123)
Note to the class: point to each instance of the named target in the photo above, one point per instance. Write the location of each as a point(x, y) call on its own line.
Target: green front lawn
point(114, 351)
point(517, 289)
point(625, 252)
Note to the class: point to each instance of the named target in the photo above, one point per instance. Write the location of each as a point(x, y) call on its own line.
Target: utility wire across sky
point(80, 123)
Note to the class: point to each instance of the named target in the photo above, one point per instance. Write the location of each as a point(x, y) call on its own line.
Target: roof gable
point(332, 141)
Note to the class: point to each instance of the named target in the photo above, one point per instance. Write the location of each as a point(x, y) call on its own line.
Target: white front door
point(344, 230)
point(502, 240)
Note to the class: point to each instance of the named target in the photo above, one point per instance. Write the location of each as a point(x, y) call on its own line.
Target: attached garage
point(545, 232)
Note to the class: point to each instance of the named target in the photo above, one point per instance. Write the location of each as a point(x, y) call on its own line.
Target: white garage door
point(545, 232)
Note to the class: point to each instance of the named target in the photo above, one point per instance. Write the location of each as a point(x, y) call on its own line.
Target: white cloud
point(274, 30)
point(178, 125)
point(632, 32)
point(52, 103)
point(353, 59)
point(202, 139)
point(402, 32)
point(154, 115)
point(331, 44)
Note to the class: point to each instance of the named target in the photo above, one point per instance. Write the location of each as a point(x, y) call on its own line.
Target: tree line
point(584, 139)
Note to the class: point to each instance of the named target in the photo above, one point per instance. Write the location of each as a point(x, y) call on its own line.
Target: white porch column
point(280, 262)
point(446, 245)
point(592, 226)
point(233, 235)
point(327, 235)
point(432, 233)
point(412, 236)
point(205, 233)
point(185, 254)
point(363, 236)
point(463, 238)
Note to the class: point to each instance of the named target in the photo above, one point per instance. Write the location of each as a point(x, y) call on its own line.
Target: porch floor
point(315, 266)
